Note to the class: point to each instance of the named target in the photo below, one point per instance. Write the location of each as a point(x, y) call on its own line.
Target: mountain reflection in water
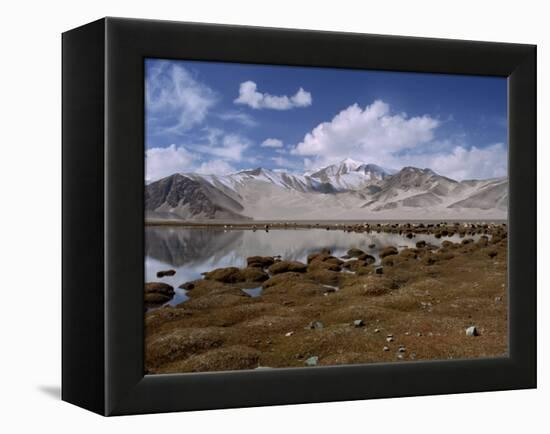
point(192, 251)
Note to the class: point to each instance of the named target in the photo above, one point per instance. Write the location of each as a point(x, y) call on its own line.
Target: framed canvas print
point(258, 216)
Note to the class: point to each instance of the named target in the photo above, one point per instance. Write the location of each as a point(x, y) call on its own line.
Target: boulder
point(156, 298)
point(388, 251)
point(187, 286)
point(159, 288)
point(320, 265)
point(225, 275)
point(358, 323)
point(288, 266)
point(354, 253)
point(253, 274)
point(315, 325)
point(164, 273)
point(260, 261)
point(368, 259)
point(312, 361)
point(472, 331)
point(235, 275)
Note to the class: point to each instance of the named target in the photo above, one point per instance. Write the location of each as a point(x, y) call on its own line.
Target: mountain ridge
point(348, 190)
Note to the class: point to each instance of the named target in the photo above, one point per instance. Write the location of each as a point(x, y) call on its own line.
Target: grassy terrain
point(417, 307)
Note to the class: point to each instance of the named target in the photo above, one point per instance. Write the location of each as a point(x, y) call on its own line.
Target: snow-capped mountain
point(349, 190)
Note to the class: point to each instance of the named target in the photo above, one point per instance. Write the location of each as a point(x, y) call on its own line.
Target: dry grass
point(425, 300)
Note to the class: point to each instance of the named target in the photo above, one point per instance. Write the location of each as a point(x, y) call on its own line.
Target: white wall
point(30, 219)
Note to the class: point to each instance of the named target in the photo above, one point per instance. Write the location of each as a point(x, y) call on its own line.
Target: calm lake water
point(193, 251)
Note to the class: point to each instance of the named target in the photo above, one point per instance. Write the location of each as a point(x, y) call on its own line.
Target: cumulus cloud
point(462, 163)
point(369, 134)
point(215, 167)
point(272, 143)
point(162, 162)
point(228, 147)
point(174, 100)
point(249, 95)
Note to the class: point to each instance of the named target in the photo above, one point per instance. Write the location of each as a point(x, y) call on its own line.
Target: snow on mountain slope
point(348, 190)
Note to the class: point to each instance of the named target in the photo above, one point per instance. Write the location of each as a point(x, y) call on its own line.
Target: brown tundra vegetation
point(423, 303)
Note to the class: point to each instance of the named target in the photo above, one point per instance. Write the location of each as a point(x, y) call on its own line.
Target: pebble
point(358, 323)
point(402, 349)
point(312, 361)
point(386, 348)
point(472, 331)
point(400, 356)
point(315, 325)
point(390, 339)
point(289, 334)
point(376, 330)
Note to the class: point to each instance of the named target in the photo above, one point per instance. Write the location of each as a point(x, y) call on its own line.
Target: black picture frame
point(103, 225)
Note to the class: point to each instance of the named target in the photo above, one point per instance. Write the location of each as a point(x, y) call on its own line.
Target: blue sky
point(211, 117)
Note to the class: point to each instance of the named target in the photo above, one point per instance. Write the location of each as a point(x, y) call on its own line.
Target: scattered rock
point(159, 287)
point(312, 361)
point(420, 244)
point(386, 348)
point(289, 334)
point(164, 273)
point(315, 325)
point(225, 275)
point(367, 259)
point(358, 323)
point(402, 349)
point(235, 275)
point(154, 298)
point(376, 330)
point(379, 270)
point(492, 253)
point(253, 274)
point(354, 253)
point(472, 331)
point(260, 261)
point(157, 293)
point(288, 266)
point(372, 246)
point(389, 339)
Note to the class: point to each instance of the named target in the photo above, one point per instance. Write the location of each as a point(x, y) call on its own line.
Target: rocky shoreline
point(424, 303)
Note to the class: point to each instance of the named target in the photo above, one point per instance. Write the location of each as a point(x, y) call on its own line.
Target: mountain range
point(349, 190)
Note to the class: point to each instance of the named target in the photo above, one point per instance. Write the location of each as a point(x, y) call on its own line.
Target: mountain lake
point(192, 251)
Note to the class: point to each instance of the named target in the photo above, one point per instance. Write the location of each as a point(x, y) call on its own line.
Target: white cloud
point(249, 95)
point(462, 163)
point(175, 100)
point(215, 167)
point(228, 147)
point(371, 134)
point(240, 117)
point(285, 163)
point(272, 143)
point(161, 162)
